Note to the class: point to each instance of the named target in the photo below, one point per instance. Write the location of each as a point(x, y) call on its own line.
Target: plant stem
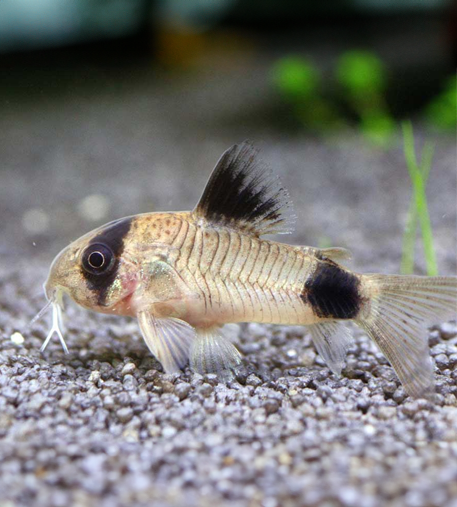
point(409, 236)
point(418, 179)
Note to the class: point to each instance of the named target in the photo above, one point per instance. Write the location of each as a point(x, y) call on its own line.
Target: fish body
point(186, 274)
point(222, 275)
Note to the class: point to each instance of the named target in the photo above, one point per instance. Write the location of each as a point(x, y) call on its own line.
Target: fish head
point(95, 271)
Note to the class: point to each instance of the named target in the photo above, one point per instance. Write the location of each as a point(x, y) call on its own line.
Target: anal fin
point(332, 340)
point(169, 340)
point(211, 352)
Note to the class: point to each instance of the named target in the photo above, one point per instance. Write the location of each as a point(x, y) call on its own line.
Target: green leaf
point(442, 111)
point(361, 72)
point(378, 128)
point(296, 77)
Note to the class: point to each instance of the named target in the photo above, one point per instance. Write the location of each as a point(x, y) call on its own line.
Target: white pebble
point(128, 369)
point(94, 376)
point(169, 432)
point(17, 338)
point(94, 207)
point(35, 221)
point(369, 430)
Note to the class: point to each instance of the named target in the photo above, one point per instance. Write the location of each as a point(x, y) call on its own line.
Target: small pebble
point(125, 414)
point(169, 432)
point(66, 401)
point(448, 330)
point(182, 390)
point(94, 376)
point(442, 361)
point(17, 338)
point(128, 369)
point(271, 406)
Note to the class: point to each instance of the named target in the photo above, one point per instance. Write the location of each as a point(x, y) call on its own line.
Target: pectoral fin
point(332, 340)
point(211, 352)
point(169, 340)
point(163, 282)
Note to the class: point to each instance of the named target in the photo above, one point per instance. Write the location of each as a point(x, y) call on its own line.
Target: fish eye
point(97, 259)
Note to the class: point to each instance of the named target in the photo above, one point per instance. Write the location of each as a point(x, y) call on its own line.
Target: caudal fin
point(396, 315)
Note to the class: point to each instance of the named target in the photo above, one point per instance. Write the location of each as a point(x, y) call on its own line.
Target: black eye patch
point(101, 259)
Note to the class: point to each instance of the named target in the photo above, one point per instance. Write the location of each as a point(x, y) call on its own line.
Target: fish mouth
point(53, 292)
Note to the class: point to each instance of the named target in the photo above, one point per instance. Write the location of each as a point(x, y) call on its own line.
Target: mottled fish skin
point(185, 274)
point(233, 277)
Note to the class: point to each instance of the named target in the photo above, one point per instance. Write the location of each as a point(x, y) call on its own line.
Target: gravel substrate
point(104, 426)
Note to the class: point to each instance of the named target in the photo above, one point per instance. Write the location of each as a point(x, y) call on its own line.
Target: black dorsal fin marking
point(242, 192)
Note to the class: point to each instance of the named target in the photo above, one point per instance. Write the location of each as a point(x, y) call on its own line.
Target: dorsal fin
point(241, 192)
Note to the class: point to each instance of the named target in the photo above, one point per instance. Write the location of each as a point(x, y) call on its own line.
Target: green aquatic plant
point(296, 78)
point(362, 73)
point(363, 78)
point(418, 208)
point(442, 110)
point(299, 82)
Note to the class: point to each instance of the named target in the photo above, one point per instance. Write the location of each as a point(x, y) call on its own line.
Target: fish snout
point(60, 274)
point(50, 290)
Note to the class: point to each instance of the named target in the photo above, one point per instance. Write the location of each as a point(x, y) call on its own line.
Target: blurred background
point(115, 107)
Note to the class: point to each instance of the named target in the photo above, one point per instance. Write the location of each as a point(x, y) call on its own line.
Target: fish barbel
point(184, 275)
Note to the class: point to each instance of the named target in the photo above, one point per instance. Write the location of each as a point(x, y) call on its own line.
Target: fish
point(184, 275)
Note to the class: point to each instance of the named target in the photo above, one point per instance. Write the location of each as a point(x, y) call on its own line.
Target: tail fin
point(396, 315)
